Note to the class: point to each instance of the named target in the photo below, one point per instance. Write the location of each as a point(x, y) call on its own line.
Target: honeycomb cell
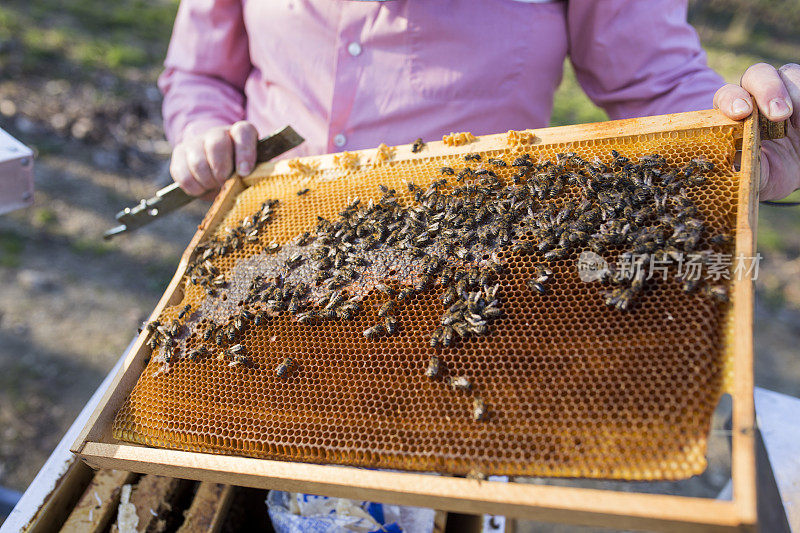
point(572, 386)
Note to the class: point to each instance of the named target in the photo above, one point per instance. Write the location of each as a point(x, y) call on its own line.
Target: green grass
point(44, 216)
point(91, 247)
point(88, 34)
point(769, 238)
point(570, 103)
point(11, 247)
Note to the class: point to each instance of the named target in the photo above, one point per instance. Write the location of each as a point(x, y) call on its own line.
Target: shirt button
point(354, 49)
point(339, 140)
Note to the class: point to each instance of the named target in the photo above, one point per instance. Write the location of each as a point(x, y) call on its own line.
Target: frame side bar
point(743, 467)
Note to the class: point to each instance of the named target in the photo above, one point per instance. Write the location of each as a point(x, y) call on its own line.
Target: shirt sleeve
point(636, 58)
point(207, 64)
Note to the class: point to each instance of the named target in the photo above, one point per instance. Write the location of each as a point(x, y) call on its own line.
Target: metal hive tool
point(570, 385)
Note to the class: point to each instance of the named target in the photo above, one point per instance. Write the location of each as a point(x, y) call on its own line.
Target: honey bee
point(717, 292)
point(185, 310)
point(236, 348)
point(345, 312)
point(523, 161)
point(294, 260)
point(391, 325)
point(702, 164)
point(272, 248)
point(424, 283)
point(369, 242)
point(556, 254)
point(169, 356)
point(405, 294)
point(473, 275)
point(252, 236)
point(283, 368)
point(541, 274)
point(492, 312)
point(211, 269)
point(723, 239)
point(334, 300)
point(478, 409)
point(240, 360)
point(260, 318)
point(432, 266)
point(621, 298)
point(385, 289)
point(449, 296)
point(387, 308)
point(418, 145)
point(200, 352)
point(486, 278)
point(176, 329)
point(447, 171)
point(305, 239)
point(436, 337)
point(460, 383)
point(433, 368)
point(301, 192)
point(472, 157)
point(447, 335)
point(375, 331)
point(446, 276)
point(497, 162)
point(358, 261)
point(219, 337)
point(307, 318)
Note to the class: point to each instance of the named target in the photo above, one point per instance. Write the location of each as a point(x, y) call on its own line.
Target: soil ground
point(77, 84)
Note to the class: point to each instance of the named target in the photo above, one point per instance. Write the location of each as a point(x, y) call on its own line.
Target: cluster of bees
point(451, 233)
point(640, 209)
point(165, 337)
point(202, 272)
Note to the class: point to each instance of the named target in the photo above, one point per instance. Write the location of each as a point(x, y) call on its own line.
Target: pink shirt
point(349, 75)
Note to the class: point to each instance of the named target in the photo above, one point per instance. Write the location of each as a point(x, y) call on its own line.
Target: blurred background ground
point(77, 83)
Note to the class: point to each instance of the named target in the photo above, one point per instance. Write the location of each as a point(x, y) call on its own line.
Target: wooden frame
point(545, 503)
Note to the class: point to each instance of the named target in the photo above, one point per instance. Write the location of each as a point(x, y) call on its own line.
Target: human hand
point(201, 164)
point(777, 94)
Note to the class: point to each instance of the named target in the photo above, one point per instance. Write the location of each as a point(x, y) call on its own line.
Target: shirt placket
point(349, 55)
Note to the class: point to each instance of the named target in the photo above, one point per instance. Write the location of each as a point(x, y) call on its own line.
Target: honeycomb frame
point(98, 432)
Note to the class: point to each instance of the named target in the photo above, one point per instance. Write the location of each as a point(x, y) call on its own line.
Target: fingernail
point(778, 108)
point(244, 168)
point(740, 106)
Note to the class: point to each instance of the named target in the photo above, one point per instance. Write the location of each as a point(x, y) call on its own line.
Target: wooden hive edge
point(543, 136)
point(743, 462)
point(546, 503)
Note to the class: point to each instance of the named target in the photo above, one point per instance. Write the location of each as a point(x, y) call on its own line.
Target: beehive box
point(572, 386)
